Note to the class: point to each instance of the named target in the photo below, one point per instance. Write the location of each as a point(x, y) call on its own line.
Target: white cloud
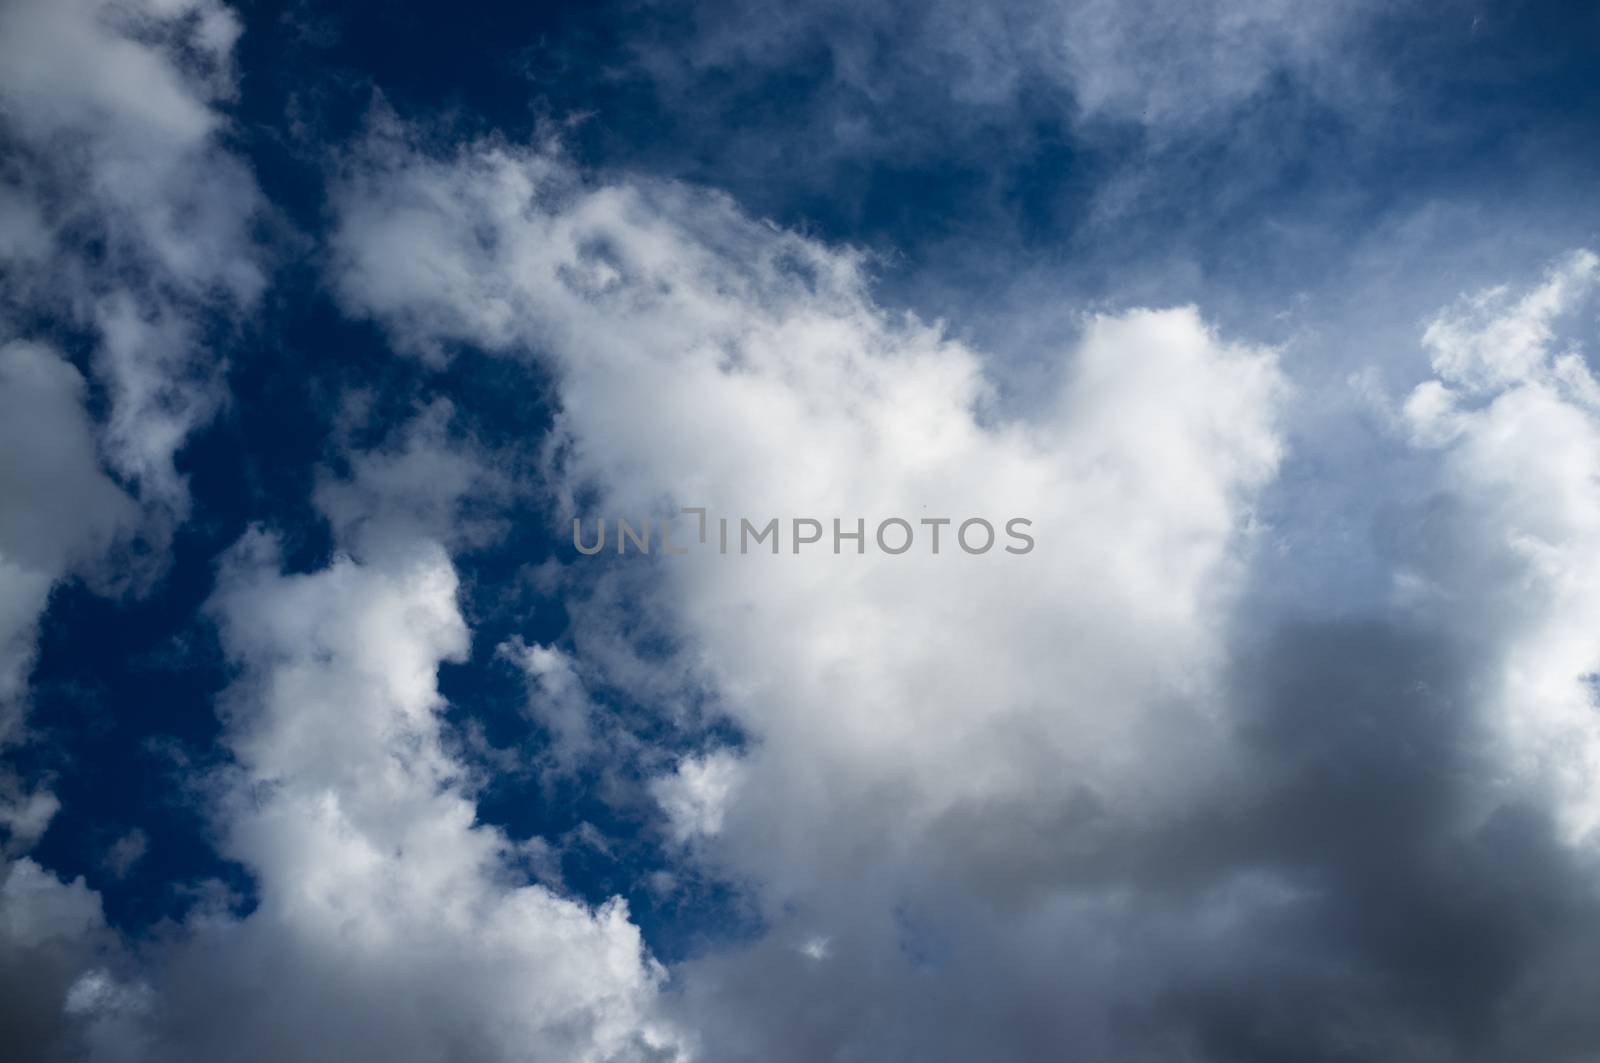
point(558, 699)
point(388, 922)
point(703, 358)
point(696, 796)
point(1492, 340)
point(137, 219)
point(1162, 64)
point(1517, 568)
point(953, 767)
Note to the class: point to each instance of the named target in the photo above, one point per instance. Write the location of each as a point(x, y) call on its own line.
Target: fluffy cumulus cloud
point(386, 921)
point(124, 216)
point(892, 703)
point(969, 705)
point(698, 351)
point(990, 803)
point(1515, 411)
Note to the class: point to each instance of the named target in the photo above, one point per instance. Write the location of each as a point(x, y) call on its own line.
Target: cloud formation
point(1515, 414)
point(126, 220)
point(1117, 796)
point(384, 918)
point(1055, 799)
point(123, 217)
point(387, 921)
point(128, 214)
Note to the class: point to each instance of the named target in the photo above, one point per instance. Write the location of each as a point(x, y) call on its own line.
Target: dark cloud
point(1357, 884)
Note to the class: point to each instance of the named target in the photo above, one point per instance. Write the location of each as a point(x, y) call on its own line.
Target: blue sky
point(320, 324)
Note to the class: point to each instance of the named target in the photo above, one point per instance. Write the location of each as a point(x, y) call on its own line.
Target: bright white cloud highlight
point(390, 923)
point(1516, 414)
point(704, 358)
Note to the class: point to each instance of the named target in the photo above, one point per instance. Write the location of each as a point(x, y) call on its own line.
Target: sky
point(1259, 336)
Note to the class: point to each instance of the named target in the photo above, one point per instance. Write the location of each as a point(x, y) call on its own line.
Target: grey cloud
point(1357, 885)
